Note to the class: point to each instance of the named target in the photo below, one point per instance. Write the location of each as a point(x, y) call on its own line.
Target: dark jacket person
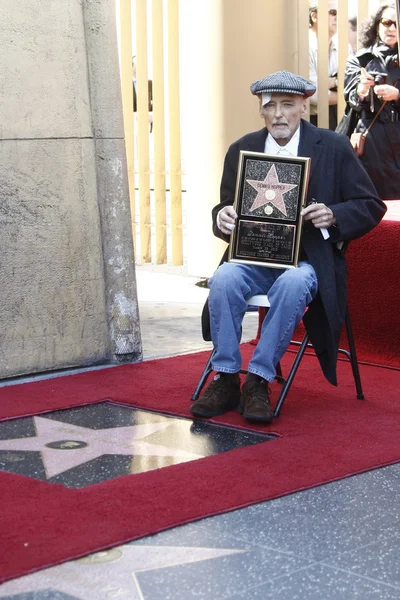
point(372, 79)
point(347, 206)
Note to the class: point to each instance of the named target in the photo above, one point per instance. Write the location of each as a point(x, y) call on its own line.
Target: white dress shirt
point(313, 64)
point(291, 149)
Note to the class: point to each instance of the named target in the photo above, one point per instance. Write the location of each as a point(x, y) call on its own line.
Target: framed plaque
point(270, 194)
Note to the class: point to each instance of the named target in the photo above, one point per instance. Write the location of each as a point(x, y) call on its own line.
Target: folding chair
point(262, 302)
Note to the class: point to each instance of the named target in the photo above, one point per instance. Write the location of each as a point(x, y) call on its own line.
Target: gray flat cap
point(283, 82)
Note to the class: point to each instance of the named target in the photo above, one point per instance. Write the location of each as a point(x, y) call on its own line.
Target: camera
point(379, 78)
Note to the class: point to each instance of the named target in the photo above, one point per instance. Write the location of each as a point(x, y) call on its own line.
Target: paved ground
point(170, 306)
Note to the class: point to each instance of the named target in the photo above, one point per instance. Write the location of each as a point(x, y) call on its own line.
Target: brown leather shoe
point(222, 395)
point(254, 402)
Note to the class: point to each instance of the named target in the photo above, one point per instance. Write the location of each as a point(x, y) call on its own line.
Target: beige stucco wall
point(225, 46)
point(67, 280)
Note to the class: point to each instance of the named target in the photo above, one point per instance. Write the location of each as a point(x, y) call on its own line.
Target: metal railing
point(154, 158)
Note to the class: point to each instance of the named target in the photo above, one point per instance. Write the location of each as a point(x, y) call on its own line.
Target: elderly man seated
point(345, 204)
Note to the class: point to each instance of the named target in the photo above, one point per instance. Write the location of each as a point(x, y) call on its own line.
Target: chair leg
point(279, 375)
point(290, 377)
point(206, 372)
point(353, 357)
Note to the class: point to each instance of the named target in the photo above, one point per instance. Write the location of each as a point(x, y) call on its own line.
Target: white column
point(225, 46)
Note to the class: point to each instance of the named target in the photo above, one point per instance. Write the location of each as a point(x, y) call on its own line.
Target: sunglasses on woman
point(388, 23)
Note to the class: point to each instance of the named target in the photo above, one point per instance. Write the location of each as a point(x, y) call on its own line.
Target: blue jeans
point(289, 292)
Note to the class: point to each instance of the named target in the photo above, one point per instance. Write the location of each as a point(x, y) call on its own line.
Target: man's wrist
point(335, 84)
point(362, 94)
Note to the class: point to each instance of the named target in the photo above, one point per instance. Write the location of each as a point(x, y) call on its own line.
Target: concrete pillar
point(67, 280)
point(112, 180)
point(225, 46)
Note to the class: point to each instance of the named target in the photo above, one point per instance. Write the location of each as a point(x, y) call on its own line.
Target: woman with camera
point(371, 86)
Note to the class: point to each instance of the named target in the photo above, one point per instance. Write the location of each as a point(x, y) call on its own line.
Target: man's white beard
point(280, 133)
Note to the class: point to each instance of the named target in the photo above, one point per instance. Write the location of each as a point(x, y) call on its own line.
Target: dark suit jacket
point(337, 179)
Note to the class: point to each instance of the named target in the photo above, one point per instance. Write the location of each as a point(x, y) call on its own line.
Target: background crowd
point(371, 90)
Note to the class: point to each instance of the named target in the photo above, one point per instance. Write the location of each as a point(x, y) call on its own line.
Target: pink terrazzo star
point(78, 445)
point(270, 191)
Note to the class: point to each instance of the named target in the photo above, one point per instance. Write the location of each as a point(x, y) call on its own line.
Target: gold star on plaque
point(270, 191)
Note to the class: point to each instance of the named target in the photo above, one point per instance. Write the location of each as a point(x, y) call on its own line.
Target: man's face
point(282, 115)
point(332, 22)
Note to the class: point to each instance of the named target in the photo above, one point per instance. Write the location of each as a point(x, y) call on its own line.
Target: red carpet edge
point(326, 434)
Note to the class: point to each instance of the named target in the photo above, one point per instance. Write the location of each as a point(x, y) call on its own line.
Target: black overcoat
point(338, 180)
point(381, 157)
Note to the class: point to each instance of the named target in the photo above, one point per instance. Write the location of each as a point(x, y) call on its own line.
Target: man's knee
point(299, 281)
point(224, 276)
point(228, 281)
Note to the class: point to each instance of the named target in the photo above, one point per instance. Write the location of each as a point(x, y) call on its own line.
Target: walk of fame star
point(271, 191)
point(109, 574)
point(64, 446)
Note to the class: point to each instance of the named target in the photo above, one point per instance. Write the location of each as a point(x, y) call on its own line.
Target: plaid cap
point(283, 82)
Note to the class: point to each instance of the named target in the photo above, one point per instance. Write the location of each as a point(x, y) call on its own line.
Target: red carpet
point(326, 434)
point(374, 295)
